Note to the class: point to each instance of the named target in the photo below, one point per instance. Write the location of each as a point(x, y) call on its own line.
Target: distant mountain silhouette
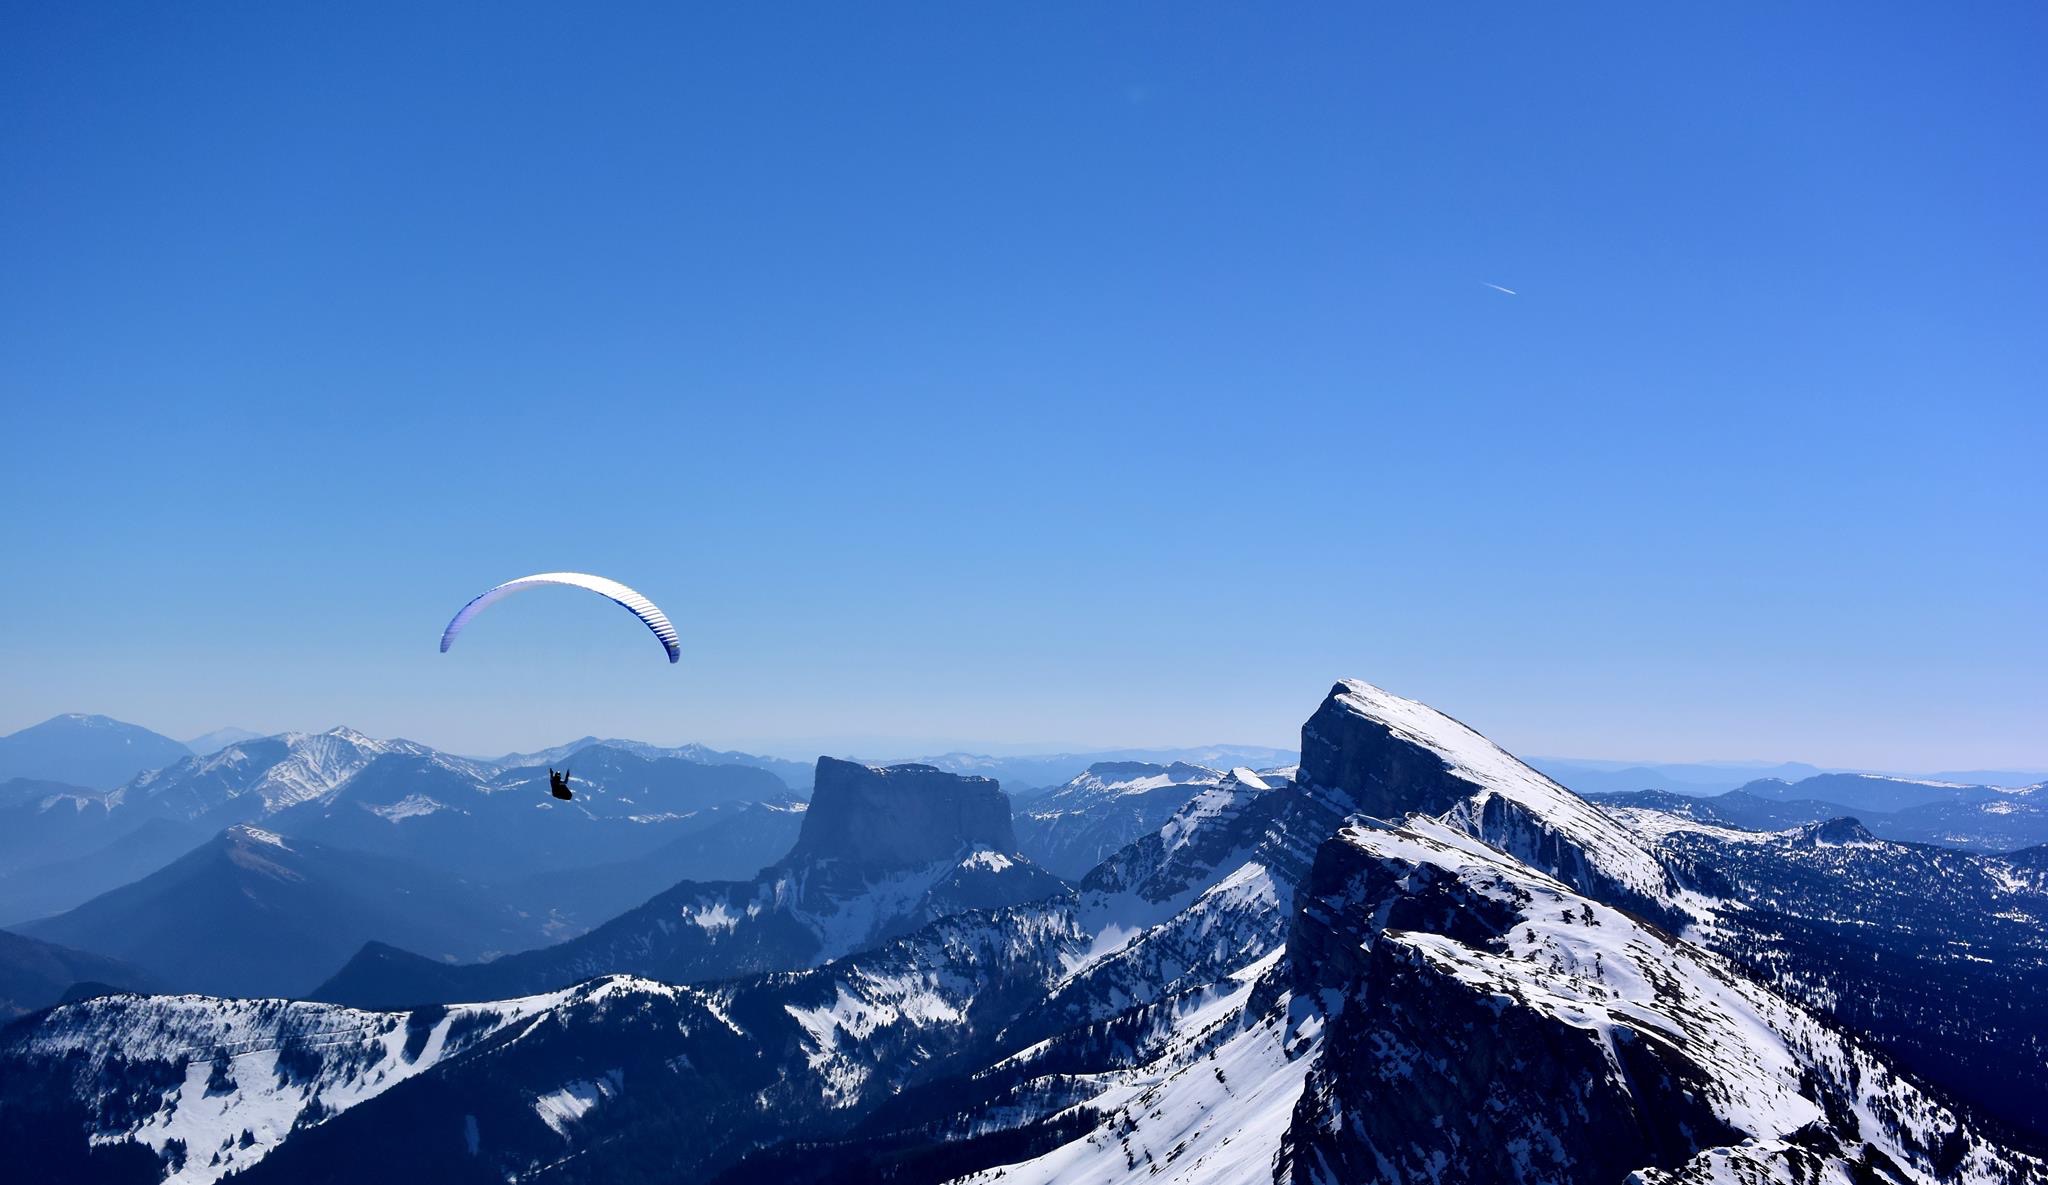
point(36, 974)
point(251, 913)
point(1978, 818)
point(218, 739)
point(93, 751)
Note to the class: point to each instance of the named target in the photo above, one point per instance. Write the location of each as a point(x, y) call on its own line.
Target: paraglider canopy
point(639, 606)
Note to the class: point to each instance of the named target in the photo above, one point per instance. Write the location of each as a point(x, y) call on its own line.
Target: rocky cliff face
point(1382, 772)
point(1387, 757)
point(900, 815)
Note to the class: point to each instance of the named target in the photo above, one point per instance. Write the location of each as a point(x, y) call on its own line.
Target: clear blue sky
point(1090, 374)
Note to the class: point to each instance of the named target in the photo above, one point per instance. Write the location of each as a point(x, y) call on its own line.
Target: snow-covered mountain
point(1024, 774)
point(82, 750)
point(1939, 957)
point(1081, 823)
point(881, 851)
point(1736, 808)
point(501, 825)
point(254, 779)
point(1420, 961)
point(60, 847)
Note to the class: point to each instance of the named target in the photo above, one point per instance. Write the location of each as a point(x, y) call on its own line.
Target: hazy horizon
point(872, 748)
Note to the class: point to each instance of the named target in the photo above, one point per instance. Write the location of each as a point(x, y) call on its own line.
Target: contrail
point(1498, 288)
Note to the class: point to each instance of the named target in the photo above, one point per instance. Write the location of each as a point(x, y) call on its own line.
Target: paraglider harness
point(558, 783)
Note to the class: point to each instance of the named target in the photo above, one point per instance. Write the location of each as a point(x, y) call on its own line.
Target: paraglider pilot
point(558, 783)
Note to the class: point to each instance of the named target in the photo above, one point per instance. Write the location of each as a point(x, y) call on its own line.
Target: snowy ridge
point(222, 1073)
point(1115, 779)
point(1661, 1016)
point(867, 1022)
point(1937, 956)
point(1654, 825)
point(1079, 824)
point(1546, 811)
point(223, 1083)
point(849, 917)
point(280, 771)
point(1234, 849)
point(1210, 1104)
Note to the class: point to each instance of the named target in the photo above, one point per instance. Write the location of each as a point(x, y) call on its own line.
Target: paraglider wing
point(639, 606)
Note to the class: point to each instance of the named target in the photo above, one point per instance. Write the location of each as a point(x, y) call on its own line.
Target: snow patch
point(563, 1108)
point(409, 807)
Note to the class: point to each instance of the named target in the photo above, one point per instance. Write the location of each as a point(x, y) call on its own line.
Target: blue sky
point(1076, 374)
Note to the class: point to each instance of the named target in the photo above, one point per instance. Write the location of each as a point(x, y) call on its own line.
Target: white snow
point(1595, 968)
point(1186, 1116)
point(1093, 786)
point(560, 1109)
point(312, 766)
point(409, 807)
point(1607, 845)
point(865, 1002)
point(1653, 825)
point(713, 917)
point(189, 1029)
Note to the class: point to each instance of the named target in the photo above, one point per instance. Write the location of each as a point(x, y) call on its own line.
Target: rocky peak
point(1387, 760)
point(1369, 751)
point(1130, 771)
point(900, 815)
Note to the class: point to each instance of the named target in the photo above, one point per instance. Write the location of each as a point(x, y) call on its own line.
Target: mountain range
point(1023, 774)
point(1589, 777)
point(1975, 817)
point(91, 751)
point(1417, 959)
point(61, 846)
